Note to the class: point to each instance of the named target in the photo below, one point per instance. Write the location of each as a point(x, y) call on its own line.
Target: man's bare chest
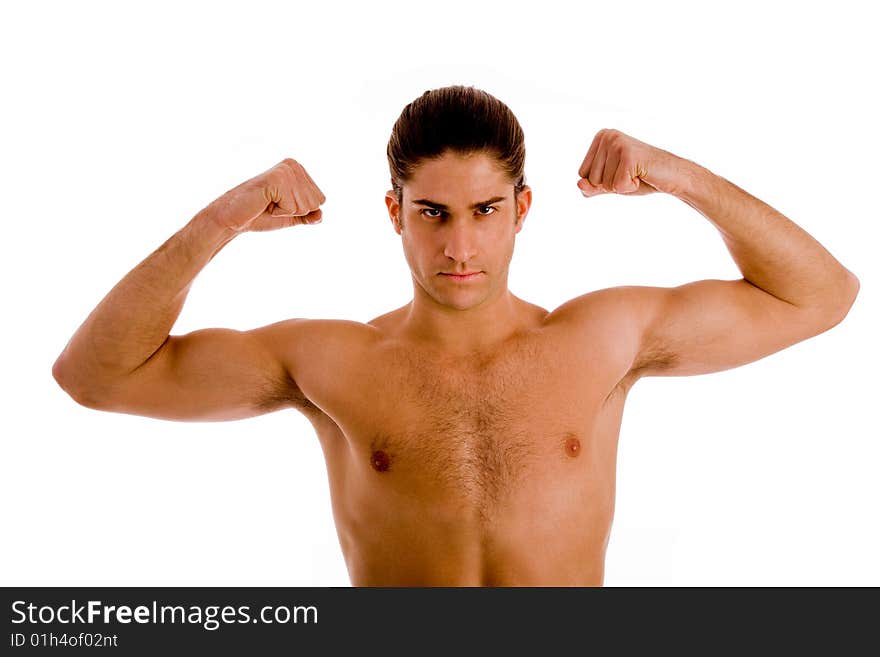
point(476, 428)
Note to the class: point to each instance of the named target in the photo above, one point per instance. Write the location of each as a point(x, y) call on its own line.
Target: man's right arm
point(123, 359)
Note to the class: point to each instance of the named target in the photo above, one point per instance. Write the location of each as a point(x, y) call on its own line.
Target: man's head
point(458, 194)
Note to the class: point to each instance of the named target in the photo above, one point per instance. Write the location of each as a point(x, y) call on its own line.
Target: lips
point(467, 276)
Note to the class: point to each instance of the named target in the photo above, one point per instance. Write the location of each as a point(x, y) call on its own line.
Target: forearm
point(136, 316)
point(772, 252)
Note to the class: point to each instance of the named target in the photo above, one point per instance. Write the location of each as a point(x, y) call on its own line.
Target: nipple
point(380, 461)
point(572, 446)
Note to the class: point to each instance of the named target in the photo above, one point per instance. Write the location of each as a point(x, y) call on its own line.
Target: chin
point(460, 301)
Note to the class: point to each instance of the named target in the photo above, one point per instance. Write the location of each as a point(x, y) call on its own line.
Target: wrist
point(694, 183)
point(205, 234)
point(207, 226)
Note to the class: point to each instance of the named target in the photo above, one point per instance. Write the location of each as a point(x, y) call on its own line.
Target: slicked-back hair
point(464, 120)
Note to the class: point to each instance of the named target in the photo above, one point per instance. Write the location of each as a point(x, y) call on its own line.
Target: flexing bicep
point(713, 325)
point(219, 374)
point(210, 374)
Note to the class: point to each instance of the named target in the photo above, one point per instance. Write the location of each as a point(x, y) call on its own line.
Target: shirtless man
point(470, 436)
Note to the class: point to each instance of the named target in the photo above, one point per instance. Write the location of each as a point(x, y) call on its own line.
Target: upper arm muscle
point(712, 325)
point(210, 375)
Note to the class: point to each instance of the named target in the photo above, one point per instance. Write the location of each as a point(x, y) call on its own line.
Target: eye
point(442, 213)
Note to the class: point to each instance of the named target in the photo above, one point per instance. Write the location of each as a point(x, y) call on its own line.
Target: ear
point(393, 210)
point(523, 203)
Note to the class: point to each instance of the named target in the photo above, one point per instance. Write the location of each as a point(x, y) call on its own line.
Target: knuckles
point(290, 168)
point(614, 137)
point(290, 173)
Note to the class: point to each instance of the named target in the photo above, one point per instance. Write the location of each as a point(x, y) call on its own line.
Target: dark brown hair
point(460, 119)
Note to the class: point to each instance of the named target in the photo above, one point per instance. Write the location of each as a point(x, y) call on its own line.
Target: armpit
point(283, 392)
point(652, 359)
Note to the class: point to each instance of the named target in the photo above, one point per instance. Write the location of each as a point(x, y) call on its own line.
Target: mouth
point(466, 276)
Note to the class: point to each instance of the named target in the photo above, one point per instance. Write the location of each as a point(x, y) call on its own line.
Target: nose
point(461, 241)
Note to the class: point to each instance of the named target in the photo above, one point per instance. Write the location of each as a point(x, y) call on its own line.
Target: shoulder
point(388, 322)
point(321, 358)
point(612, 320)
point(620, 307)
point(307, 346)
point(305, 332)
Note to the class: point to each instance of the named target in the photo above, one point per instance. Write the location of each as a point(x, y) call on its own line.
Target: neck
point(463, 331)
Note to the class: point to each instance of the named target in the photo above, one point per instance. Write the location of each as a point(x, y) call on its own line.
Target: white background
point(119, 124)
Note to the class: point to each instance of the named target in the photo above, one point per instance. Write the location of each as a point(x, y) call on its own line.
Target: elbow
point(835, 307)
point(850, 296)
point(844, 301)
point(59, 373)
point(79, 394)
point(856, 286)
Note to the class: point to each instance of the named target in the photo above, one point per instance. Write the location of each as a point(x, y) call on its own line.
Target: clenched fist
point(285, 195)
point(620, 164)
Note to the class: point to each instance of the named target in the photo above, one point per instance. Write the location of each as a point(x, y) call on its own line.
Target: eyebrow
point(441, 206)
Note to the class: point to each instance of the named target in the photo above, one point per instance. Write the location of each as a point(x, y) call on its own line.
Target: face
point(458, 216)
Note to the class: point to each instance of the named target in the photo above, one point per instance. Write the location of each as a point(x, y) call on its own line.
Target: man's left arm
point(792, 287)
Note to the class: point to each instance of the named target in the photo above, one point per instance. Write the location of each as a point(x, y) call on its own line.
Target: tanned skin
point(470, 436)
